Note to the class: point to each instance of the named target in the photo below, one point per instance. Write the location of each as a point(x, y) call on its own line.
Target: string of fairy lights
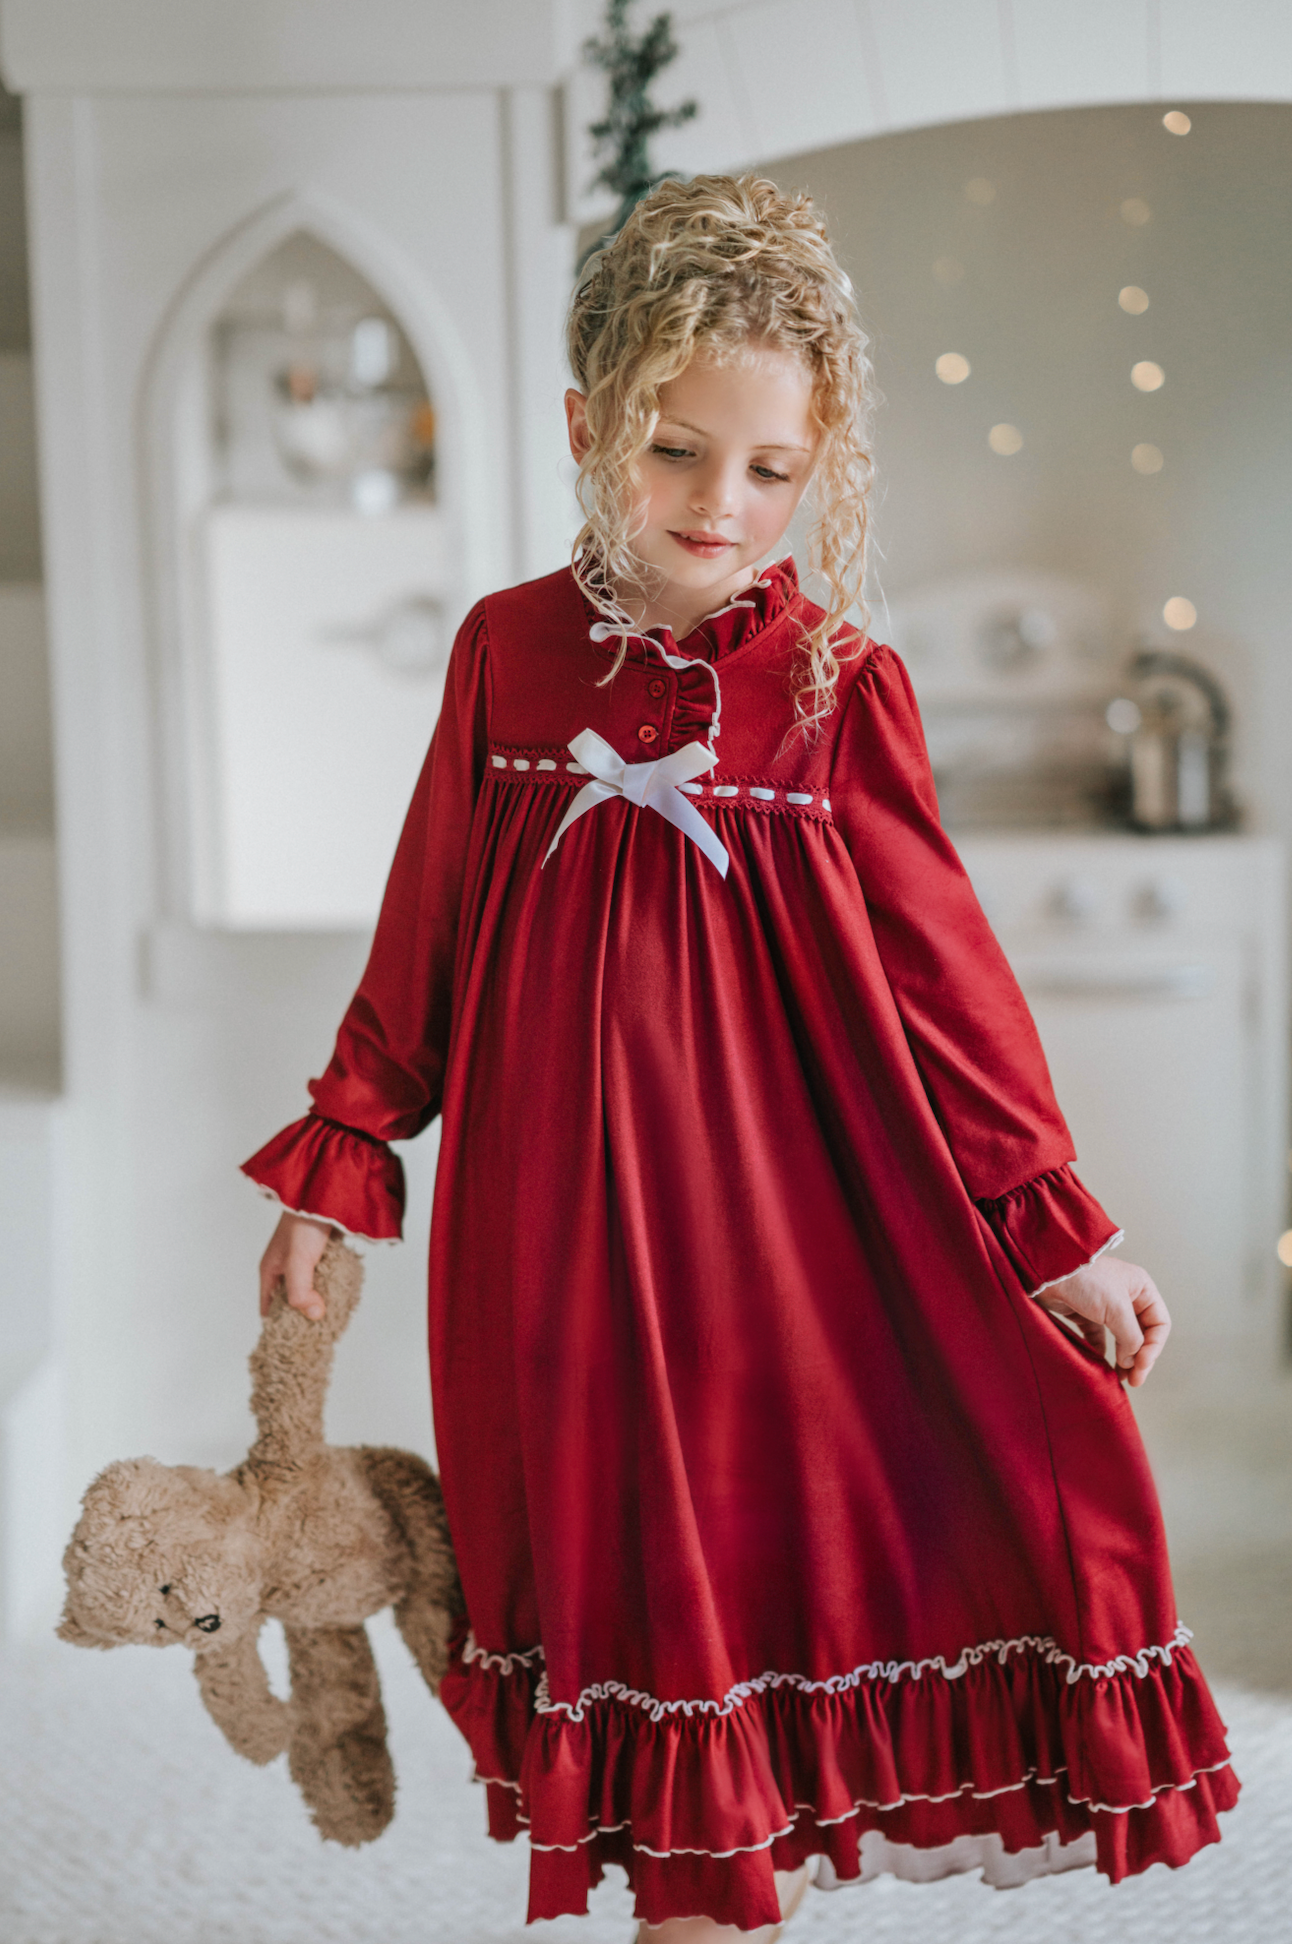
point(1146, 375)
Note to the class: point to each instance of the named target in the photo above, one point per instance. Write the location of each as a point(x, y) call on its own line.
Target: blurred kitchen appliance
point(1014, 670)
point(1176, 718)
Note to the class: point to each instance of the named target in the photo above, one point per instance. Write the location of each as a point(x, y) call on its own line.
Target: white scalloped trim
point(736, 1696)
point(311, 1215)
point(501, 1663)
point(862, 1802)
point(1113, 1242)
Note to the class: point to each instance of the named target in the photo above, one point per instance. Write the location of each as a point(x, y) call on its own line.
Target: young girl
point(791, 1524)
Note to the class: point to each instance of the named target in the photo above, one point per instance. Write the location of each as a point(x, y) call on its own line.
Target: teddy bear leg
point(425, 1625)
point(339, 1759)
point(240, 1701)
point(431, 1604)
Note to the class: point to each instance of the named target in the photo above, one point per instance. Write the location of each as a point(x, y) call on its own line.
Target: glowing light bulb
point(980, 190)
point(1147, 459)
point(1147, 376)
point(1179, 613)
point(1176, 122)
point(1284, 1248)
point(1005, 439)
point(1136, 212)
point(1133, 299)
point(952, 369)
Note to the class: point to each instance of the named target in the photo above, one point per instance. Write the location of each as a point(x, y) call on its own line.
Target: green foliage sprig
point(631, 119)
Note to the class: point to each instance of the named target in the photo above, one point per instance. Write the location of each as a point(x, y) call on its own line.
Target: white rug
point(125, 1819)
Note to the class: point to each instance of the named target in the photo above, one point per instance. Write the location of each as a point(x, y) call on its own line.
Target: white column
point(540, 251)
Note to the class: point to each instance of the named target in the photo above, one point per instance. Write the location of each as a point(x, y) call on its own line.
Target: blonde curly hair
point(717, 265)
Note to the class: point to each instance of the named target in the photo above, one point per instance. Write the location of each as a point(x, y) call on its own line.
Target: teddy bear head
point(162, 1555)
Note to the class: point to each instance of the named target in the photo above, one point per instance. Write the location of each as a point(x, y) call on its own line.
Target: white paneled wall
point(1071, 56)
point(777, 77)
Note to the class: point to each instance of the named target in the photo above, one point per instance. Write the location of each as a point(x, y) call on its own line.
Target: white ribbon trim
point(651, 786)
point(1044, 1645)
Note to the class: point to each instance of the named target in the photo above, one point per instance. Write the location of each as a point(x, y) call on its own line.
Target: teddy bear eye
point(165, 1589)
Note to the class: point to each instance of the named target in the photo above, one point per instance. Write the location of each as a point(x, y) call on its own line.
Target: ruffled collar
point(757, 608)
point(749, 614)
point(697, 710)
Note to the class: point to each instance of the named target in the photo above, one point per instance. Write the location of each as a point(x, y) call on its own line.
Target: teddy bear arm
point(291, 1364)
point(240, 1701)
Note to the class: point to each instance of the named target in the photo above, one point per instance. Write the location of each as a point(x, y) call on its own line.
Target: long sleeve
point(385, 1077)
point(967, 1023)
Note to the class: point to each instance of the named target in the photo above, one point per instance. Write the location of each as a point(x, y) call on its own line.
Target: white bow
point(651, 786)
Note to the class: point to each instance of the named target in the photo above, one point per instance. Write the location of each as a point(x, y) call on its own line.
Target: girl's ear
point(576, 417)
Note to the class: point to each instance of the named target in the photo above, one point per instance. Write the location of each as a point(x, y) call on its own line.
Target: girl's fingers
point(1155, 1323)
point(301, 1293)
point(271, 1271)
point(1125, 1300)
point(1092, 1332)
point(1128, 1337)
point(290, 1261)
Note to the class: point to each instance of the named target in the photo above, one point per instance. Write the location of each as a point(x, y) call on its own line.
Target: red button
point(648, 733)
point(656, 688)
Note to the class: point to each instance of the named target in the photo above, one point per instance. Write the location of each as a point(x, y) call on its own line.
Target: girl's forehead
point(763, 388)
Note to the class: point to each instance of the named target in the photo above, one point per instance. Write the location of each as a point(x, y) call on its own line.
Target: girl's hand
point(1116, 1296)
point(292, 1257)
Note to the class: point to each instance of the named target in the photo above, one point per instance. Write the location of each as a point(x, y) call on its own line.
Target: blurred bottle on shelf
point(1175, 718)
point(318, 395)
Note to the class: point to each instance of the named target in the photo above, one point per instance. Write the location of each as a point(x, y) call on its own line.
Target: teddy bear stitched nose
point(209, 1623)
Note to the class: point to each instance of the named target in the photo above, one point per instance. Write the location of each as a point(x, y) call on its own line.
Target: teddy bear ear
point(70, 1629)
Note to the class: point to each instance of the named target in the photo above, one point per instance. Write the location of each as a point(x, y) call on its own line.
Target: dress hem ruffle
point(929, 1760)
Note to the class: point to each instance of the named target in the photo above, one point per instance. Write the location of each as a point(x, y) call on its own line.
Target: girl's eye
point(767, 472)
point(671, 452)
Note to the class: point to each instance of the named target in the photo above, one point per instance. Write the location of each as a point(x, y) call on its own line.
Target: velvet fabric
point(782, 1513)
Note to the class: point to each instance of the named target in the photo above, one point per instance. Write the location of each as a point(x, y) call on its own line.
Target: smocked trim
point(741, 795)
point(1044, 1645)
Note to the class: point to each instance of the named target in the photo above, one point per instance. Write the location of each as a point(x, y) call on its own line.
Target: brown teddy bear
point(314, 1535)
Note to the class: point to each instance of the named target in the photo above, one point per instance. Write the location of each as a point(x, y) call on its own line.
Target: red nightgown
point(787, 1523)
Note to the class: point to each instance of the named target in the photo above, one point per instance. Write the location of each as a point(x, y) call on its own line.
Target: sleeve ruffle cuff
point(317, 1167)
point(1050, 1227)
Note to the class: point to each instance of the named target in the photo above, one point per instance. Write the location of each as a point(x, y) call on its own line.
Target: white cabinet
point(328, 644)
point(1154, 969)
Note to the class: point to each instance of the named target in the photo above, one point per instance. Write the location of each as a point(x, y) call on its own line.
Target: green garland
point(631, 118)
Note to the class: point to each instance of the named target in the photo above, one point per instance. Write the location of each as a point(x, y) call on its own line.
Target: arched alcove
point(317, 396)
point(309, 479)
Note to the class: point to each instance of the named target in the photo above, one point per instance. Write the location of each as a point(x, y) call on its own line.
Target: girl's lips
point(707, 546)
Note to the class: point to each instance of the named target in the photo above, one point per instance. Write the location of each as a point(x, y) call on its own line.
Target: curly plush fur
point(314, 1535)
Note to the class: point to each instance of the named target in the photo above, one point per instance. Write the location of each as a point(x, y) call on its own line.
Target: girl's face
point(729, 461)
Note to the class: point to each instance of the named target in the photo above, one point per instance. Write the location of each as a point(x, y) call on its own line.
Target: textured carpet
point(125, 1819)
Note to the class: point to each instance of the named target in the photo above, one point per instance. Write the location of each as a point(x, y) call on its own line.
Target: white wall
point(184, 1051)
point(778, 77)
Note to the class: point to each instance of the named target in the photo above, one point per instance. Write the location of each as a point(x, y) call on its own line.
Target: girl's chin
point(689, 569)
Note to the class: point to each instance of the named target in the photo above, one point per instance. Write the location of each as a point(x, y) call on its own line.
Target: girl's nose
point(713, 493)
